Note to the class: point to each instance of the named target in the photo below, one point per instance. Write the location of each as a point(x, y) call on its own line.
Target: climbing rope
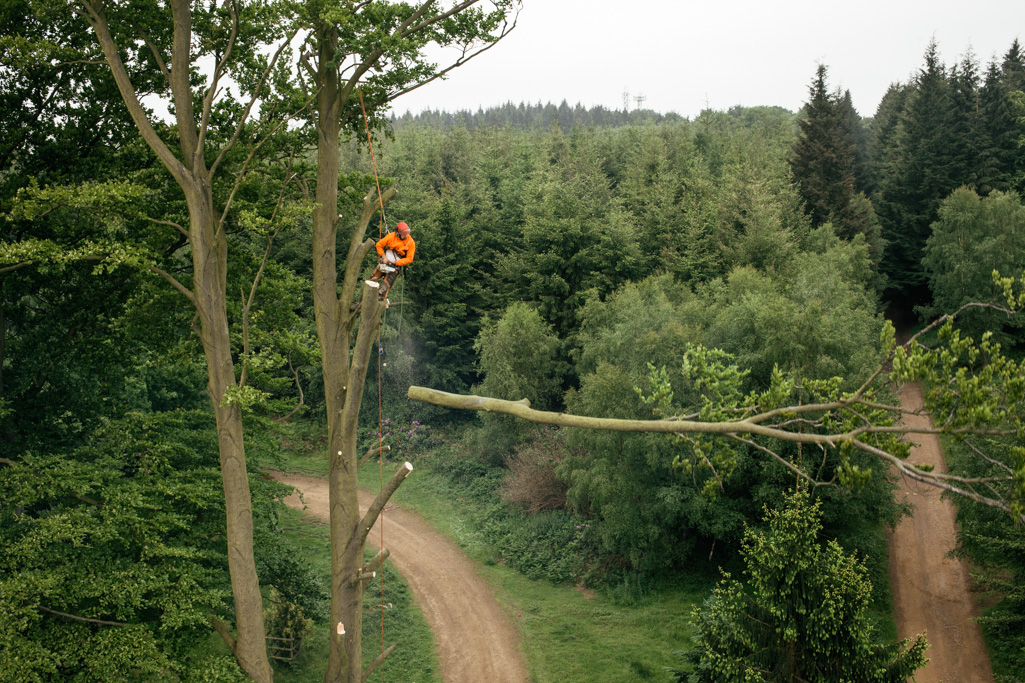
point(380, 349)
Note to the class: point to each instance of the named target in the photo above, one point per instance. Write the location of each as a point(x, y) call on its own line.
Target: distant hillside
point(532, 116)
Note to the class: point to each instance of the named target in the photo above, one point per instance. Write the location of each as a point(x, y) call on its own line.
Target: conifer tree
point(967, 127)
point(1013, 67)
point(922, 173)
point(860, 137)
point(824, 158)
point(999, 127)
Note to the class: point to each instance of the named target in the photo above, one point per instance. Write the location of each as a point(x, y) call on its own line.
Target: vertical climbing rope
point(380, 416)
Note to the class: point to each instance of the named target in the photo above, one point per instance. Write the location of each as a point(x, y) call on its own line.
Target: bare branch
point(174, 282)
point(373, 450)
point(156, 56)
point(225, 633)
point(172, 224)
point(101, 622)
point(948, 316)
point(783, 461)
point(935, 479)
point(465, 57)
point(298, 386)
point(252, 101)
point(215, 78)
point(382, 498)
point(992, 461)
point(98, 22)
point(376, 663)
point(240, 175)
point(18, 266)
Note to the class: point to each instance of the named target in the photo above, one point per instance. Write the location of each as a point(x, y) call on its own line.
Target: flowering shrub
point(408, 441)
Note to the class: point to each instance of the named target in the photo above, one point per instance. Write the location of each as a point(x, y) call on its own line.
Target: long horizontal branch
point(523, 410)
point(732, 429)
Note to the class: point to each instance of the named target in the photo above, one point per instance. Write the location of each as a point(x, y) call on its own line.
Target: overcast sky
point(685, 56)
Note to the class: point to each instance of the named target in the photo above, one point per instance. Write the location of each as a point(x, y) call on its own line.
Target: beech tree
point(222, 117)
point(377, 47)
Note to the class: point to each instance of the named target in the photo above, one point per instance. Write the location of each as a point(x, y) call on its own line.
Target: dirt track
point(931, 590)
point(476, 641)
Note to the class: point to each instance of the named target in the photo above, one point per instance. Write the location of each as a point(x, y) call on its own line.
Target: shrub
point(532, 483)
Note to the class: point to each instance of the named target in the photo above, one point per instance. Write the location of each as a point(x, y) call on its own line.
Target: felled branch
point(734, 428)
point(376, 663)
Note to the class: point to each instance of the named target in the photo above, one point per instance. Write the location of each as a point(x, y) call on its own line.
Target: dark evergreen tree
point(824, 158)
point(1000, 132)
point(882, 138)
point(860, 137)
point(922, 172)
point(967, 127)
point(1014, 67)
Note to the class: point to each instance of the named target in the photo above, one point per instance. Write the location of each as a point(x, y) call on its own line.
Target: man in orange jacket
point(395, 250)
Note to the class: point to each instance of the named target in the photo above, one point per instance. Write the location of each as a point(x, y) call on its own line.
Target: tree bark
point(209, 257)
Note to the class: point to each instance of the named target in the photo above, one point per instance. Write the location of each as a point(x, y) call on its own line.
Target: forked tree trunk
point(209, 258)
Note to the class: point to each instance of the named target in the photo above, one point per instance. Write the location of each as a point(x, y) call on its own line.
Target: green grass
point(626, 633)
point(568, 634)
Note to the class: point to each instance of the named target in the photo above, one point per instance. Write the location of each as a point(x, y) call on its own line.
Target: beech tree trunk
point(345, 365)
point(209, 258)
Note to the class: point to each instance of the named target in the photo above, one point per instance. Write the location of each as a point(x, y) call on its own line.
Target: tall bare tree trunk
point(344, 375)
point(209, 257)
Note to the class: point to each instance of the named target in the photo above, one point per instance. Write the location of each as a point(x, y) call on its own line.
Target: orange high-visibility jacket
point(404, 248)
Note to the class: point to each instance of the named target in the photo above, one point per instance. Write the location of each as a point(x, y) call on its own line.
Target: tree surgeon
point(395, 251)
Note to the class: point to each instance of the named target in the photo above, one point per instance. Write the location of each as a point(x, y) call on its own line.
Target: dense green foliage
point(997, 548)
point(973, 237)
point(564, 254)
point(798, 616)
point(934, 134)
point(114, 557)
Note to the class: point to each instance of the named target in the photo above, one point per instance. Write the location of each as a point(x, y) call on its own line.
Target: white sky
point(686, 56)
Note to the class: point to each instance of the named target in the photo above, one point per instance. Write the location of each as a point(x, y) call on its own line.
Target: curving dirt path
point(476, 641)
point(931, 592)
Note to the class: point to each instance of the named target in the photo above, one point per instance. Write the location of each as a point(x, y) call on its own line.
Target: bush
point(549, 545)
point(532, 483)
point(285, 619)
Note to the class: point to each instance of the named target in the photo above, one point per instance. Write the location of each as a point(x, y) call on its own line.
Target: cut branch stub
point(382, 498)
